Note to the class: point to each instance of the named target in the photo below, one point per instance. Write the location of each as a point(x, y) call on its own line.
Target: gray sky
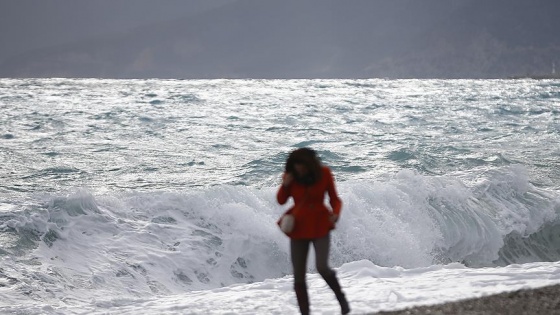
point(278, 38)
point(30, 24)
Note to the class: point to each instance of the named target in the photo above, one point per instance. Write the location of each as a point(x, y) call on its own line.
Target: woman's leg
point(299, 250)
point(322, 248)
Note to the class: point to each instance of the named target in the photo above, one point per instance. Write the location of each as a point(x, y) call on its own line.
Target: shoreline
point(543, 300)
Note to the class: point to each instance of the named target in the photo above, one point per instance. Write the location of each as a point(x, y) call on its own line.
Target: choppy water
point(164, 186)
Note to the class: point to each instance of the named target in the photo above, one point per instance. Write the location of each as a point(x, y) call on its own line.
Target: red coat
point(312, 217)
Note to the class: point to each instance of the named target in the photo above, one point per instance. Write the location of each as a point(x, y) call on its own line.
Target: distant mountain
point(31, 24)
point(320, 39)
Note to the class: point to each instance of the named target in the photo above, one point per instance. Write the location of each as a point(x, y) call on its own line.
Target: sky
point(26, 25)
point(278, 39)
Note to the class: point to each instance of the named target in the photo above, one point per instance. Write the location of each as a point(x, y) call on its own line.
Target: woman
point(306, 180)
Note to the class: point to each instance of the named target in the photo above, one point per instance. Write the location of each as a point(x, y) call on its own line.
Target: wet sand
point(545, 300)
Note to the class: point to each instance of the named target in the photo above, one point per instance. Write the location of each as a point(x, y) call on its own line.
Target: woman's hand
point(287, 179)
point(333, 218)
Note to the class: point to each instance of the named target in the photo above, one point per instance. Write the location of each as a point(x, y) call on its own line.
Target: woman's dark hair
point(308, 157)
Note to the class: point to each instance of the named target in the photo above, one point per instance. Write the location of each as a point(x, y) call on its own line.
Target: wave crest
point(165, 242)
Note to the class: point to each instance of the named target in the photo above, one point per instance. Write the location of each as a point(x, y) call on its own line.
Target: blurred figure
point(307, 180)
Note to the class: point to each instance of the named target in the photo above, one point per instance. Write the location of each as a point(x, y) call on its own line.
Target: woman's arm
point(334, 200)
point(284, 191)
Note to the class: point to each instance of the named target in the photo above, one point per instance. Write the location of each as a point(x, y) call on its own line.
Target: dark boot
point(335, 286)
point(302, 298)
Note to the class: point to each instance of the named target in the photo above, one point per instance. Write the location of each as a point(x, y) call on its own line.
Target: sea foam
point(140, 244)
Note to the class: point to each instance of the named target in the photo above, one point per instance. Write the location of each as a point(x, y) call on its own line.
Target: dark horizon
point(279, 39)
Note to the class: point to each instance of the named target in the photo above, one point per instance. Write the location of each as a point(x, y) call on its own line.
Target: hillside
point(319, 39)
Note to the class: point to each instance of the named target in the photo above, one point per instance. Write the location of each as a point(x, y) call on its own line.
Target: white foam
point(369, 288)
point(211, 242)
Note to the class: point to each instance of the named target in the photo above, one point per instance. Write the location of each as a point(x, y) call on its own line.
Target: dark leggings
point(299, 250)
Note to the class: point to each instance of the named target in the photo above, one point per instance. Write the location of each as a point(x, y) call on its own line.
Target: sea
point(158, 196)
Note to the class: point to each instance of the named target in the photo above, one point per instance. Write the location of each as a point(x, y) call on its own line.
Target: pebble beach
point(545, 300)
